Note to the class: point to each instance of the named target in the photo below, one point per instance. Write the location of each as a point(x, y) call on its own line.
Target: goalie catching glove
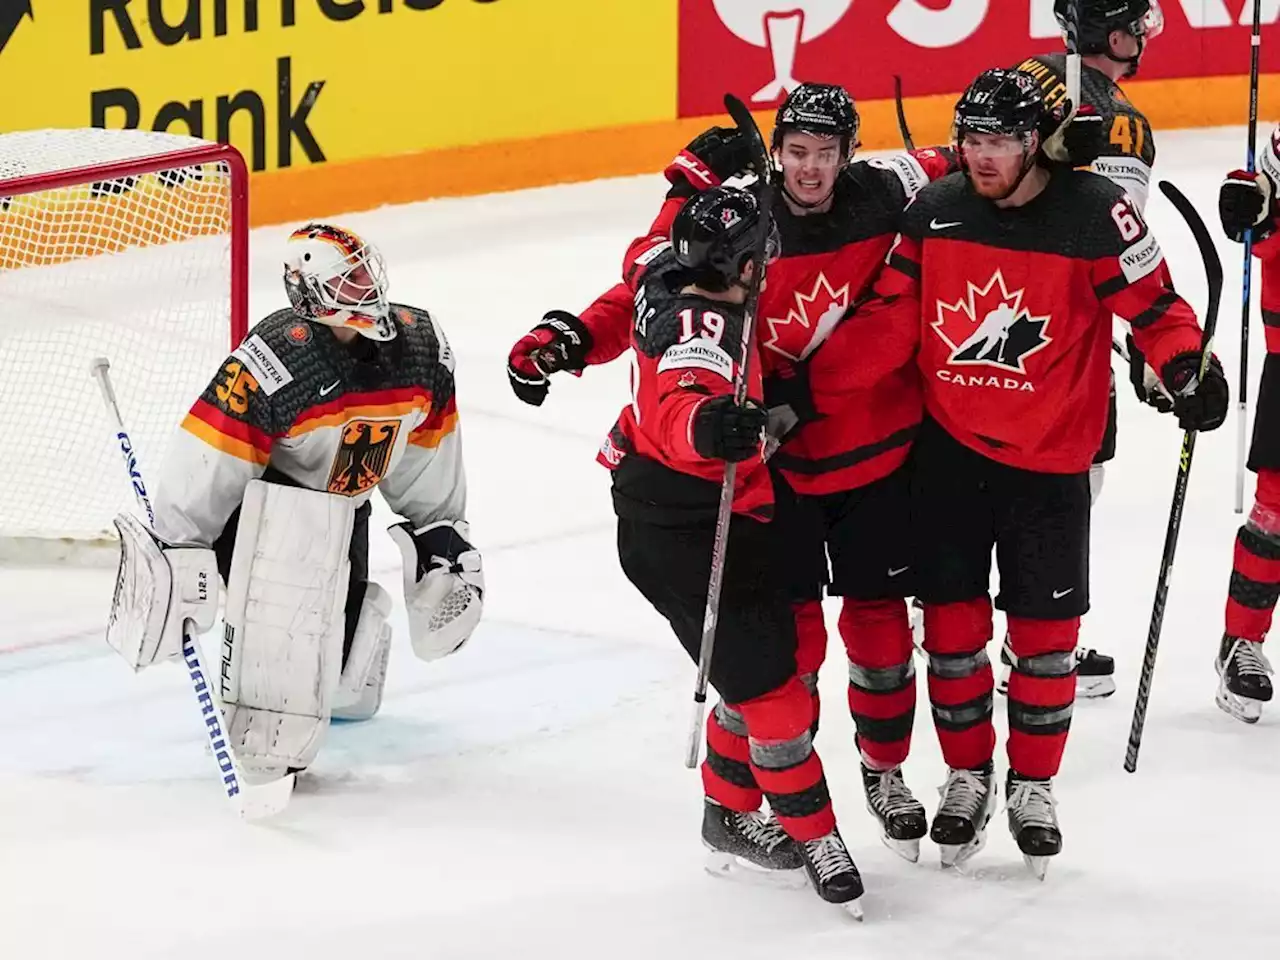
point(443, 585)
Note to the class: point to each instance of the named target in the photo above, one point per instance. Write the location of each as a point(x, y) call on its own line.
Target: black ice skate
point(1095, 673)
point(901, 815)
point(1244, 684)
point(751, 845)
point(960, 825)
point(1032, 820)
point(832, 872)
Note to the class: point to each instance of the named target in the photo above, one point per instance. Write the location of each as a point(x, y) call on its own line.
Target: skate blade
point(1094, 688)
point(1037, 865)
point(1242, 708)
point(726, 866)
point(854, 909)
point(908, 850)
point(957, 854)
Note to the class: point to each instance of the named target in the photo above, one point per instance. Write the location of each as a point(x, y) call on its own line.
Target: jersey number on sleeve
point(1127, 220)
point(234, 390)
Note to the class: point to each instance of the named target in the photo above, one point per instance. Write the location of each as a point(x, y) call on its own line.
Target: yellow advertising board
point(302, 82)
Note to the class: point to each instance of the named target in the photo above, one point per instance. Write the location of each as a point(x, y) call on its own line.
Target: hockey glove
point(1085, 139)
point(560, 342)
point(789, 399)
point(1245, 203)
point(1198, 404)
point(722, 430)
point(1146, 385)
point(443, 585)
point(711, 158)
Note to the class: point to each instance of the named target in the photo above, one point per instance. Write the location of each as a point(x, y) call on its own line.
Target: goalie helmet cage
point(126, 244)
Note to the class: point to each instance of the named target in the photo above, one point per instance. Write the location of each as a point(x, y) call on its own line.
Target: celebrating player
point(1246, 201)
point(268, 484)
point(1009, 275)
point(1113, 35)
point(667, 453)
point(844, 459)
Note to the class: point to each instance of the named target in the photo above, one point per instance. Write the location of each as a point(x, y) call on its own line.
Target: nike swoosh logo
point(894, 573)
point(1059, 594)
point(935, 225)
point(325, 391)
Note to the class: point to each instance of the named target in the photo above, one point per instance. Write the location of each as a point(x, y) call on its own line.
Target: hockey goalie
point(267, 486)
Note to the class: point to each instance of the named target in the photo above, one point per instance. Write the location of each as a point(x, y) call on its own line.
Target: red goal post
point(127, 244)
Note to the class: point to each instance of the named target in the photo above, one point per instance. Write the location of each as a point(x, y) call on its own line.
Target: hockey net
point(122, 244)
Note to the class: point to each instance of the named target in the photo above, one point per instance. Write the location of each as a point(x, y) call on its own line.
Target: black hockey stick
point(1213, 272)
point(747, 124)
point(902, 114)
point(1242, 405)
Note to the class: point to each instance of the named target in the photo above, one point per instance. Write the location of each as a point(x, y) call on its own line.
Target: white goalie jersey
point(293, 398)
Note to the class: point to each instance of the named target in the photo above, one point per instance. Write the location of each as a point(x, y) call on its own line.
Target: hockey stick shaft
point(1213, 271)
point(250, 802)
point(724, 514)
point(1242, 404)
point(1072, 40)
point(902, 114)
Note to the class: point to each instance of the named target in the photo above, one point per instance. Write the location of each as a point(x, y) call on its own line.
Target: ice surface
point(527, 797)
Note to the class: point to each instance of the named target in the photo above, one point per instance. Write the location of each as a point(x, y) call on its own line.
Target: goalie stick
point(747, 124)
point(250, 801)
point(1213, 273)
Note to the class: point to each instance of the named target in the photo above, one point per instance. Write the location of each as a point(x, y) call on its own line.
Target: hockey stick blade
point(1213, 274)
point(903, 129)
point(746, 123)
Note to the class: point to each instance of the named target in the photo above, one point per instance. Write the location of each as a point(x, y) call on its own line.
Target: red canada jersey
point(685, 349)
point(828, 263)
point(1268, 253)
point(1012, 308)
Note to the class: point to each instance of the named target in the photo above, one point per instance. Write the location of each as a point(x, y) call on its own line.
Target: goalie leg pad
point(359, 692)
point(158, 588)
point(282, 649)
point(443, 585)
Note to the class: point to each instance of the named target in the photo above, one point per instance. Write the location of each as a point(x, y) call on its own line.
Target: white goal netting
point(131, 263)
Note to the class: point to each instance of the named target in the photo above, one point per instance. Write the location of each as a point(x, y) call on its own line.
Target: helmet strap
point(1131, 63)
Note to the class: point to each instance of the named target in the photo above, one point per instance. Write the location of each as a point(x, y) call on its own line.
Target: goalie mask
point(334, 277)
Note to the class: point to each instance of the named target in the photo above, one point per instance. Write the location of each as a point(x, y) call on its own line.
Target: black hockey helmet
point(1142, 19)
point(1005, 102)
point(714, 233)
point(820, 109)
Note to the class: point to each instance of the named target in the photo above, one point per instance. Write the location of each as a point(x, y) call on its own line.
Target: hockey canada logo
point(991, 327)
point(363, 457)
point(816, 313)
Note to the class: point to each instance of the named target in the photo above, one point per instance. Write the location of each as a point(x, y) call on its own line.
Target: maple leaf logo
point(815, 313)
point(990, 326)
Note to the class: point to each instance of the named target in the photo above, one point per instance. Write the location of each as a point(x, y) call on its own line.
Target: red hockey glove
point(560, 342)
point(711, 158)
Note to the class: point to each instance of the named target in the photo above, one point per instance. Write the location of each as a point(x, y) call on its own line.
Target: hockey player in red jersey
point(667, 453)
point(1247, 201)
point(267, 487)
point(845, 491)
point(1008, 274)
